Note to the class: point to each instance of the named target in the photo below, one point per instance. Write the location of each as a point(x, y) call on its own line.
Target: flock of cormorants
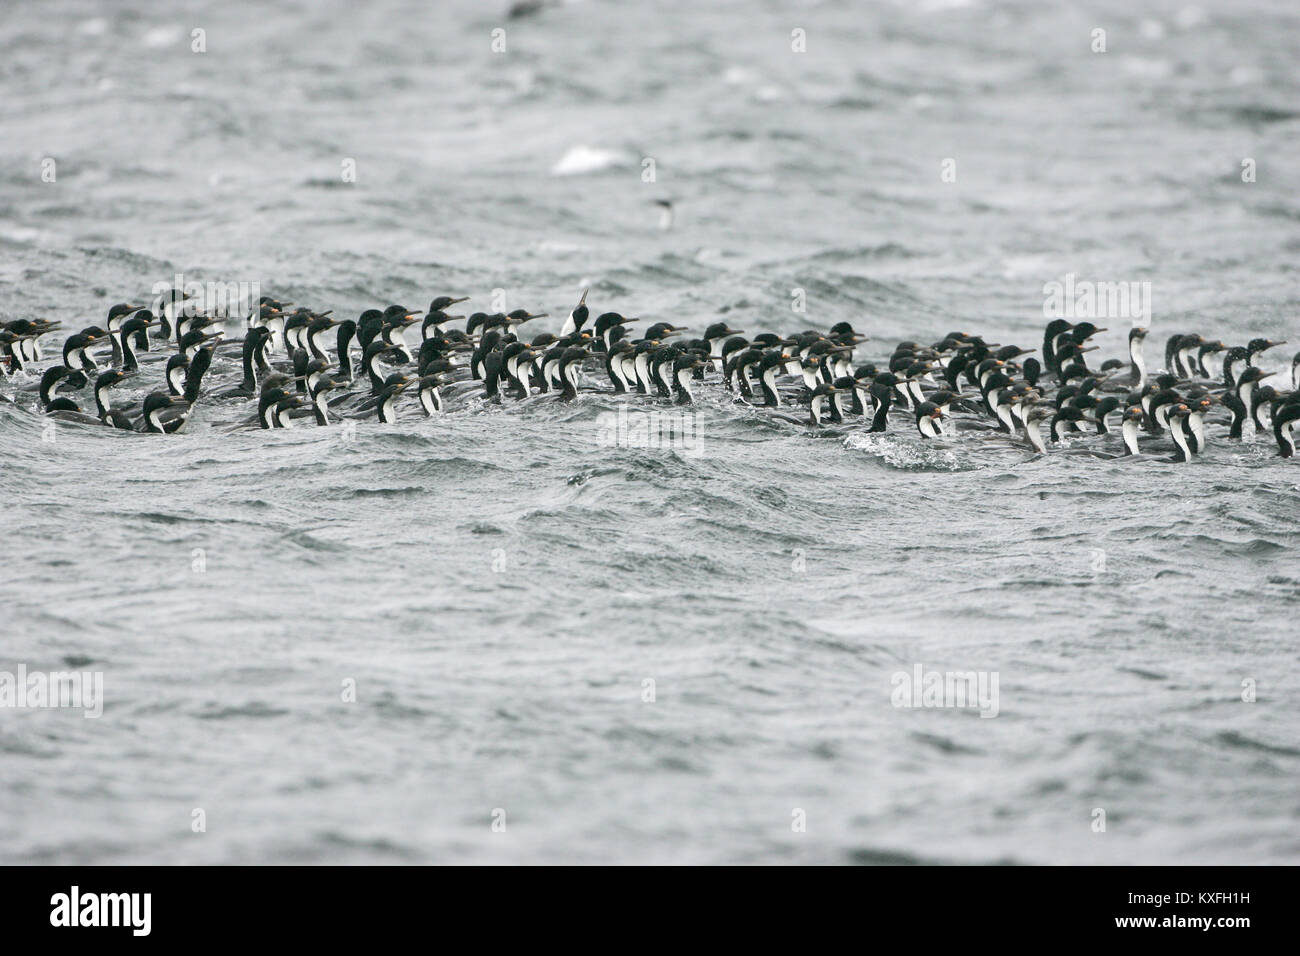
point(298, 363)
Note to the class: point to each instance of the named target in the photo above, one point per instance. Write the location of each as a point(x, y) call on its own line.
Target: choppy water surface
point(500, 584)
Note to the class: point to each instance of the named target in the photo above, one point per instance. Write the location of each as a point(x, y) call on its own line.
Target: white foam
point(587, 159)
point(157, 37)
point(900, 453)
point(739, 76)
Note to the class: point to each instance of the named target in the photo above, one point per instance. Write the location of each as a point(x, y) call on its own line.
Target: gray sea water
point(498, 585)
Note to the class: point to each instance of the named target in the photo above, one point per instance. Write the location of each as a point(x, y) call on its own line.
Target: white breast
point(1130, 430)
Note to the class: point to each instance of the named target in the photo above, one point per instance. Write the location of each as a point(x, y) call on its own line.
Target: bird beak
point(583, 300)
